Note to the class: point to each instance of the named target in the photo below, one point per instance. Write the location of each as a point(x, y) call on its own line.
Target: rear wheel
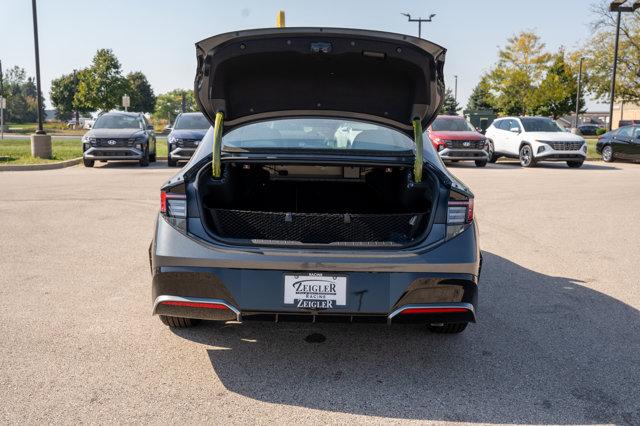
point(152, 158)
point(447, 328)
point(481, 163)
point(171, 162)
point(178, 322)
point(88, 163)
point(526, 156)
point(607, 154)
point(575, 164)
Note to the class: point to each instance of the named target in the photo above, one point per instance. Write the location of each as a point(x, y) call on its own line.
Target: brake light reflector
point(433, 311)
point(194, 304)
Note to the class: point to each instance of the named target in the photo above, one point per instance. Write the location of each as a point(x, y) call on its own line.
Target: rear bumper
point(122, 153)
point(380, 284)
point(464, 154)
point(182, 153)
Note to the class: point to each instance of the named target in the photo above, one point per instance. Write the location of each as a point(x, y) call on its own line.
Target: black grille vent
point(119, 142)
point(465, 144)
point(565, 146)
point(318, 228)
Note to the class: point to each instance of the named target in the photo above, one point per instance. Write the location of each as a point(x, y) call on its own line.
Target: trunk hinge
point(417, 136)
point(217, 145)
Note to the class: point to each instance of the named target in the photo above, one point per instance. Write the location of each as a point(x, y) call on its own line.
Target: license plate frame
point(314, 290)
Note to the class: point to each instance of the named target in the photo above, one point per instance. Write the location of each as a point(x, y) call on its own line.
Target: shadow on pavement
point(545, 350)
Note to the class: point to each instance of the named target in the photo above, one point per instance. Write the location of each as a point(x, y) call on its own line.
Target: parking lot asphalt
point(557, 342)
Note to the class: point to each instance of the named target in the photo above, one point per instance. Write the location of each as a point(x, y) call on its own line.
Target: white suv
point(534, 139)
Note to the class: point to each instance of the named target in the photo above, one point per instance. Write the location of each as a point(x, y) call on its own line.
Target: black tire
point(481, 163)
point(607, 154)
point(575, 164)
point(152, 158)
point(447, 328)
point(144, 161)
point(526, 156)
point(171, 162)
point(177, 322)
point(454, 161)
point(88, 163)
point(492, 154)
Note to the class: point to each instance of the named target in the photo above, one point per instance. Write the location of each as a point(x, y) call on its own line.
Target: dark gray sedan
point(279, 215)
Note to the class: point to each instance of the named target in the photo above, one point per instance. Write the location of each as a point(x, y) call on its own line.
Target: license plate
point(315, 291)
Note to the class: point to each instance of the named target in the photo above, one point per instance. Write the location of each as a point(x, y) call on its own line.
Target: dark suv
point(188, 130)
point(120, 136)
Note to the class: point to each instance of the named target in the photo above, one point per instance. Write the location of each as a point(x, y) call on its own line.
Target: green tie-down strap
point(217, 145)
point(417, 165)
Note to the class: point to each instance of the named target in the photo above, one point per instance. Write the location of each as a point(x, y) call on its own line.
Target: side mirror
point(150, 127)
point(514, 130)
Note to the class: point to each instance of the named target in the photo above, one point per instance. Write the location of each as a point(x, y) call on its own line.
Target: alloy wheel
point(607, 153)
point(526, 156)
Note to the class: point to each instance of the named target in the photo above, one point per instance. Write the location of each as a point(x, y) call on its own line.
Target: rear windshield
point(317, 133)
point(451, 125)
point(117, 121)
point(540, 124)
point(191, 122)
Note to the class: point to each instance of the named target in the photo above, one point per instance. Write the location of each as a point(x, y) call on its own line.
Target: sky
point(157, 36)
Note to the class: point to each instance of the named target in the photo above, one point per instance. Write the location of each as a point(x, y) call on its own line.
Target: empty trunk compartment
point(320, 205)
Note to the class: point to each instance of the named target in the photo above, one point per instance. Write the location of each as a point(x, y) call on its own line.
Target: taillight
point(460, 212)
point(173, 205)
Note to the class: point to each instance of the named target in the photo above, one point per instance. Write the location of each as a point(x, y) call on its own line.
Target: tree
point(21, 94)
point(63, 90)
point(169, 104)
point(481, 98)
point(598, 54)
point(449, 105)
point(101, 86)
point(141, 94)
point(520, 68)
point(556, 94)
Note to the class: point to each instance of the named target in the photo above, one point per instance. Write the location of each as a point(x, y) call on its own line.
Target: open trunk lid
point(253, 75)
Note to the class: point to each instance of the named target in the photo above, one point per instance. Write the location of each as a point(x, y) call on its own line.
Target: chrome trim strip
point(166, 298)
point(467, 306)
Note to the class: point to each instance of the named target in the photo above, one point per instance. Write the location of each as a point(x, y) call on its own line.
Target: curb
point(46, 166)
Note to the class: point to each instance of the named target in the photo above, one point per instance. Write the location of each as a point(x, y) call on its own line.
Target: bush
point(600, 131)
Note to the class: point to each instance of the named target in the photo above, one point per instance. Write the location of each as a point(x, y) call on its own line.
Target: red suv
point(456, 140)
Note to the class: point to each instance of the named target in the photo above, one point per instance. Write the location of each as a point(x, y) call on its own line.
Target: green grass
point(18, 151)
point(161, 148)
point(591, 148)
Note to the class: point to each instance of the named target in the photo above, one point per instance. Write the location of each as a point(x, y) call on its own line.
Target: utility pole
point(2, 104)
point(75, 88)
point(578, 94)
point(419, 21)
point(455, 90)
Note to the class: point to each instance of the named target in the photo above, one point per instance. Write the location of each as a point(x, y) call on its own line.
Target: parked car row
point(529, 139)
point(129, 136)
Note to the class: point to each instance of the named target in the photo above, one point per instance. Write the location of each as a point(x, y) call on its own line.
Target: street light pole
point(578, 94)
point(419, 21)
point(40, 130)
point(612, 92)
